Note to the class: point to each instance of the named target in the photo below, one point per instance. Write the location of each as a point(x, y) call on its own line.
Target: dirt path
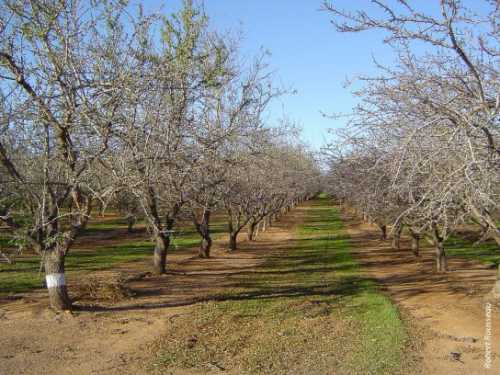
point(113, 338)
point(449, 311)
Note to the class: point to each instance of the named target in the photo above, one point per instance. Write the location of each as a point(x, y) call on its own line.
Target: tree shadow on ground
point(408, 276)
point(310, 270)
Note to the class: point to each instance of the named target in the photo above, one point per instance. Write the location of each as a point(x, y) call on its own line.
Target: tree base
point(204, 251)
point(59, 299)
point(496, 289)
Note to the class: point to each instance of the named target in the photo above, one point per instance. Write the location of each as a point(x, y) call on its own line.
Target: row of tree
point(422, 149)
point(103, 105)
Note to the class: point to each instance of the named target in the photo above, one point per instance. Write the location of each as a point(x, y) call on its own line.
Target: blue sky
point(307, 54)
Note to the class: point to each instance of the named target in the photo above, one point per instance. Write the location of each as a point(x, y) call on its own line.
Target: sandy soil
point(103, 337)
point(448, 311)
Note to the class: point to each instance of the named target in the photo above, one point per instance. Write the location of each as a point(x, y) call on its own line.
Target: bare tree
point(438, 114)
point(59, 94)
point(157, 153)
point(231, 120)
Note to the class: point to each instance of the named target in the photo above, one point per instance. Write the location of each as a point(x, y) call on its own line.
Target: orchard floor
point(124, 335)
point(448, 310)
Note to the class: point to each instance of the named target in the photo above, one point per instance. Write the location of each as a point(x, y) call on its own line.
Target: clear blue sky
point(307, 53)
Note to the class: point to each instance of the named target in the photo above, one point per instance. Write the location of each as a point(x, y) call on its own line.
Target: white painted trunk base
point(55, 280)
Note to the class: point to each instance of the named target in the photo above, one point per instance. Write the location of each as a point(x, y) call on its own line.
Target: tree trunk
point(130, 223)
point(396, 239)
point(496, 288)
point(257, 231)
point(162, 242)
point(204, 230)
point(233, 235)
point(233, 238)
point(415, 243)
point(100, 207)
point(383, 229)
point(55, 279)
point(252, 227)
point(496, 237)
point(441, 262)
point(206, 244)
point(489, 222)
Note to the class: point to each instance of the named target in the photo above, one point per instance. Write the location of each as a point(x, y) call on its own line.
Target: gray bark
point(204, 231)
point(130, 223)
point(383, 229)
point(252, 227)
point(162, 243)
point(54, 265)
point(415, 243)
point(441, 261)
point(396, 239)
point(233, 238)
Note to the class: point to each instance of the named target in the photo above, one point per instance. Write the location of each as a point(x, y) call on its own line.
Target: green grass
point(308, 311)
point(25, 275)
point(487, 252)
point(4, 242)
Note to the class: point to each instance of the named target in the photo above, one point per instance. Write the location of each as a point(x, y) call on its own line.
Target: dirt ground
point(448, 311)
point(114, 337)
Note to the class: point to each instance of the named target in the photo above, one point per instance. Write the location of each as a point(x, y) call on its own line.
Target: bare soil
point(113, 334)
point(447, 310)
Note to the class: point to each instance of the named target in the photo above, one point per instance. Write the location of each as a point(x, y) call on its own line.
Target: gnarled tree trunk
point(383, 229)
point(130, 223)
point(101, 208)
point(206, 244)
point(233, 235)
point(55, 279)
point(415, 243)
point(441, 262)
point(162, 242)
point(396, 239)
point(257, 231)
point(204, 231)
point(233, 238)
point(251, 229)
